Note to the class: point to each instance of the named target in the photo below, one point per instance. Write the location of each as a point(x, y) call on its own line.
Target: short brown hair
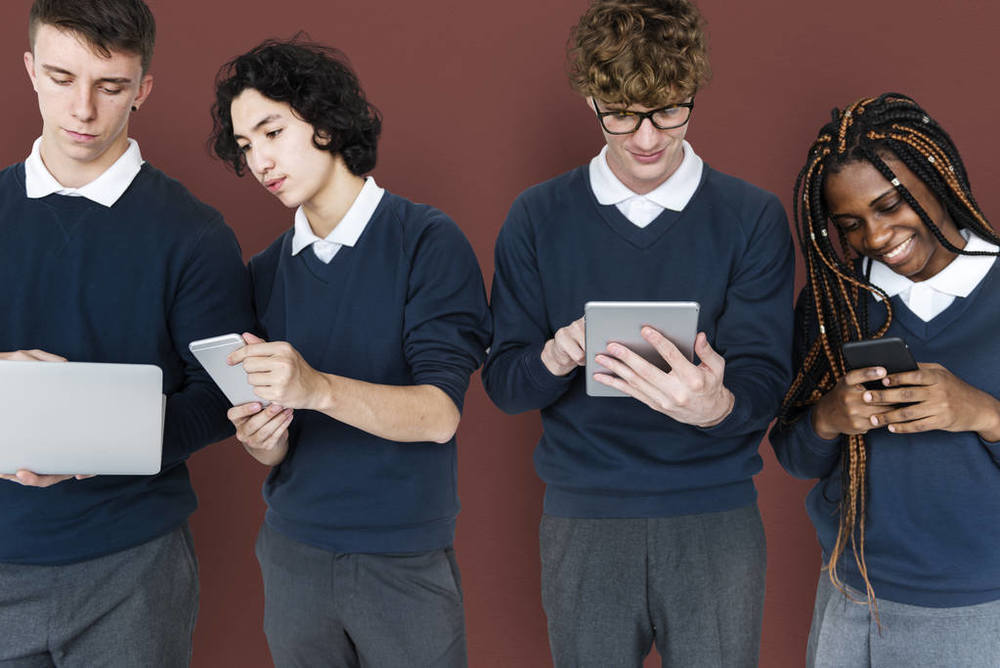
point(647, 52)
point(106, 25)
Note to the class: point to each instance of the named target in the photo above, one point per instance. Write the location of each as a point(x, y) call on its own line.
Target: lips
point(274, 185)
point(79, 136)
point(647, 158)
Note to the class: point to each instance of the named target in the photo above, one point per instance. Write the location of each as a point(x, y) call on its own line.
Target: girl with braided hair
point(908, 491)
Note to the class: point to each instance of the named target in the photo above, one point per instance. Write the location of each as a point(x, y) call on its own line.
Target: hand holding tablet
point(622, 322)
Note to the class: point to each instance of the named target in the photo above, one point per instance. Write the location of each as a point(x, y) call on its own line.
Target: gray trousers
point(132, 608)
point(844, 635)
point(332, 609)
point(693, 584)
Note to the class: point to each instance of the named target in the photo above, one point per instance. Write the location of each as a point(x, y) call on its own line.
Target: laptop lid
point(81, 417)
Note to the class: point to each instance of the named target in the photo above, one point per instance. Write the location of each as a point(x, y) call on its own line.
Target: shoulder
point(12, 182)
point(546, 203)
point(416, 224)
point(267, 259)
point(162, 196)
point(554, 192)
point(751, 208)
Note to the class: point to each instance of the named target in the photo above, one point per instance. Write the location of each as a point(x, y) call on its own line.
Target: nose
point(260, 162)
point(647, 135)
point(877, 235)
point(84, 109)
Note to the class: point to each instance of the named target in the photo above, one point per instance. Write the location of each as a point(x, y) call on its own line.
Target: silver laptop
point(79, 417)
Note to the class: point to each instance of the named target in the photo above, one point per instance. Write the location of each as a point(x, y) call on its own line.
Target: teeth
point(898, 249)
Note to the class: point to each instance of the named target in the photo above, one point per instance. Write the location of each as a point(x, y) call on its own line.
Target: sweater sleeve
point(754, 332)
point(801, 451)
point(212, 297)
point(515, 377)
point(446, 319)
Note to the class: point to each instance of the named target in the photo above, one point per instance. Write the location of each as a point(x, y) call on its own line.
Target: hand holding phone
point(232, 380)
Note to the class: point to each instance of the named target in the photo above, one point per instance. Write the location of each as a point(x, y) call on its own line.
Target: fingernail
point(880, 372)
point(867, 396)
point(874, 420)
point(892, 428)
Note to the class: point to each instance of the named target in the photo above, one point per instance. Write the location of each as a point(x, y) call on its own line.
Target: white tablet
point(232, 380)
point(81, 417)
point(622, 322)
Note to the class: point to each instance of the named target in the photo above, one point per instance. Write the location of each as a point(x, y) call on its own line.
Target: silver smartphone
point(232, 380)
point(622, 322)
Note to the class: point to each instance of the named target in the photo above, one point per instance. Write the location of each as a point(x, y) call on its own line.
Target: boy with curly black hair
point(376, 314)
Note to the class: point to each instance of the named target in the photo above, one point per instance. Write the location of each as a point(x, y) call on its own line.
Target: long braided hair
point(835, 301)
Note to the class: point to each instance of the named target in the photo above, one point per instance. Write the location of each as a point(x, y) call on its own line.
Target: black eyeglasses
point(623, 122)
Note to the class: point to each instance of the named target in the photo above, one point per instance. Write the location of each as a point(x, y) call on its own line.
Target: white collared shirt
point(348, 230)
point(641, 210)
point(105, 189)
point(929, 298)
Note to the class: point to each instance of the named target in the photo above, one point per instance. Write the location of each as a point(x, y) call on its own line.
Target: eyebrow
point(52, 69)
point(270, 118)
point(882, 196)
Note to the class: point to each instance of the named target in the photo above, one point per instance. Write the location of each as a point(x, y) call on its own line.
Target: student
point(651, 531)
point(113, 261)
point(377, 314)
point(908, 487)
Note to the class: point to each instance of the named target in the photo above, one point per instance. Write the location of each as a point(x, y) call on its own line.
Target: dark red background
point(476, 109)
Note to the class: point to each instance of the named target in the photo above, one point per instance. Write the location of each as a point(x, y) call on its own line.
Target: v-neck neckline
point(640, 237)
point(925, 330)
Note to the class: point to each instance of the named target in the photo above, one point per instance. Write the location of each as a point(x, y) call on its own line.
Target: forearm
point(801, 451)
point(195, 417)
point(517, 380)
point(407, 414)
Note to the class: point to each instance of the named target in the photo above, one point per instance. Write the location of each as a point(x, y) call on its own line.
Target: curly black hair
point(317, 83)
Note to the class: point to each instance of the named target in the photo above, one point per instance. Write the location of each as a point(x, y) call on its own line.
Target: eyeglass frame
point(643, 115)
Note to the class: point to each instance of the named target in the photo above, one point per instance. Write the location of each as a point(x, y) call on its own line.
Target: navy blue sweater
point(729, 249)
point(405, 306)
point(133, 283)
point(931, 538)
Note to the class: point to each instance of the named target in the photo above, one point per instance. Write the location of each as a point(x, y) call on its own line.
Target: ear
point(322, 137)
point(145, 88)
point(29, 64)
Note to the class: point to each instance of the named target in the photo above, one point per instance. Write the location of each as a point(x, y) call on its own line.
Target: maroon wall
point(477, 108)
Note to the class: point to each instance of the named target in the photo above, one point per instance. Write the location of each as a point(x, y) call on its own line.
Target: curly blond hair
point(646, 52)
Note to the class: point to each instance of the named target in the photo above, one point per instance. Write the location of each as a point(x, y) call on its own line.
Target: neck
point(329, 206)
point(72, 173)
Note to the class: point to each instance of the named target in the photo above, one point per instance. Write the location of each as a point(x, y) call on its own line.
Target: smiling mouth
point(648, 157)
point(898, 250)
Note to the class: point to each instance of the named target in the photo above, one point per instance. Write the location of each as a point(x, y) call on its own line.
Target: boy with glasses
point(651, 531)
point(107, 260)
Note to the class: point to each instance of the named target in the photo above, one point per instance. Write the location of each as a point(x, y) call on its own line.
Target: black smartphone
point(891, 352)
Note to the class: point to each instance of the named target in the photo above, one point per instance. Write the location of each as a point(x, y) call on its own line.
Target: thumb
point(252, 338)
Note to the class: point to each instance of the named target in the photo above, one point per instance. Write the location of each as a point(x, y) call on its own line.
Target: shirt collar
point(106, 189)
point(958, 279)
point(349, 229)
point(673, 194)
